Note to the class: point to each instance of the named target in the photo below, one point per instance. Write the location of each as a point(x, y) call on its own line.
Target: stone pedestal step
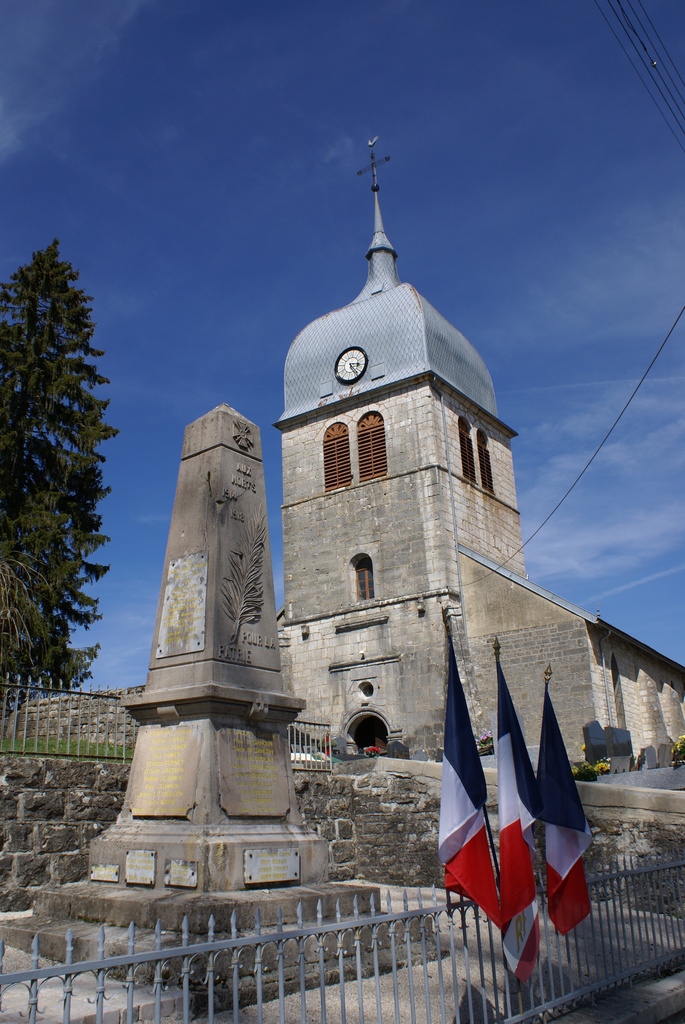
point(83, 906)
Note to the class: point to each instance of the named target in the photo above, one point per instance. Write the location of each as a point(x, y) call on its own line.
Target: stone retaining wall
point(50, 809)
point(380, 818)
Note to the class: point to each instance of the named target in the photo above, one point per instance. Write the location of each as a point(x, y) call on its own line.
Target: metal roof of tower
point(400, 332)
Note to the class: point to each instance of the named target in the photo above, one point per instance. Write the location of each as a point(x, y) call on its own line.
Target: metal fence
point(48, 721)
point(422, 964)
point(52, 722)
point(310, 746)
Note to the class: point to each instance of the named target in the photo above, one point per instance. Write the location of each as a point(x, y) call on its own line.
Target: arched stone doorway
point(368, 730)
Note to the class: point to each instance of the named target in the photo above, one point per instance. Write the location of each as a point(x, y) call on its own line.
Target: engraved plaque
point(140, 867)
point(252, 774)
point(262, 866)
point(181, 873)
point(104, 873)
point(166, 763)
point(182, 629)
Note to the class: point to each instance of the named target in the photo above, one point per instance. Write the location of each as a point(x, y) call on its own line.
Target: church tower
point(395, 467)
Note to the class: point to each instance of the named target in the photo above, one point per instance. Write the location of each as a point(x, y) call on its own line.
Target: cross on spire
point(375, 187)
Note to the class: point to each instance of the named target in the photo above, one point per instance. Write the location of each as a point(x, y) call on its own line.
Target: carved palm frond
point(242, 591)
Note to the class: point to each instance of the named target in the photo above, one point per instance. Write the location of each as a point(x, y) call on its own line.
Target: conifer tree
point(51, 427)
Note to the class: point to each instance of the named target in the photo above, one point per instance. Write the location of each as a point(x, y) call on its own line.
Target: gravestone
point(620, 763)
point(619, 743)
point(396, 748)
point(210, 805)
point(595, 742)
point(650, 760)
point(664, 755)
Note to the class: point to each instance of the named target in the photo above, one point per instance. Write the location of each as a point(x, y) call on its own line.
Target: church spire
point(380, 241)
point(380, 254)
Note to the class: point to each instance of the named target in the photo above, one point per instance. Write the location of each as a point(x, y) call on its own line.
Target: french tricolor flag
point(463, 844)
point(519, 806)
point(566, 830)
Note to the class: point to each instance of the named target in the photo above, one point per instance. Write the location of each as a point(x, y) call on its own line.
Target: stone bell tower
point(394, 464)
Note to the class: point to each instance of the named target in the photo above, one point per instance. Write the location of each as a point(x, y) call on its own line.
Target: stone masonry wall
point(50, 810)
point(380, 818)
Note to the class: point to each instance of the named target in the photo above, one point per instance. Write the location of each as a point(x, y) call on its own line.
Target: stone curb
point(648, 1002)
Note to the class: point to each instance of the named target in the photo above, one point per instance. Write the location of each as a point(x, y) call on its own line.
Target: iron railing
point(428, 964)
point(51, 722)
point(310, 746)
point(47, 721)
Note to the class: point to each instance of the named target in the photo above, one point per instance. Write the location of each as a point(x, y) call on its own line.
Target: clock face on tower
point(350, 365)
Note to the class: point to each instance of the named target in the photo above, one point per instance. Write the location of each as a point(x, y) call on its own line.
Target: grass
point(63, 748)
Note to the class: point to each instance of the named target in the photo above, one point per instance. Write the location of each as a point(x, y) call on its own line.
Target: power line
point(592, 457)
point(642, 52)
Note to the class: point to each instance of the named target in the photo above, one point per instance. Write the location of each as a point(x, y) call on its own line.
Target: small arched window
point(468, 463)
point(373, 459)
point(618, 693)
point(484, 463)
point(337, 468)
point(364, 572)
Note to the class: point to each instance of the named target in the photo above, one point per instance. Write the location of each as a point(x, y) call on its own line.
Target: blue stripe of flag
point(507, 722)
point(460, 745)
point(561, 803)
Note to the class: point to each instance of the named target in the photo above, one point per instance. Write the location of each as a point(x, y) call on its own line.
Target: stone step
point(82, 906)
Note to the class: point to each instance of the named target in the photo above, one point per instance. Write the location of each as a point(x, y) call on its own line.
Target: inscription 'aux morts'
point(244, 479)
point(242, 589)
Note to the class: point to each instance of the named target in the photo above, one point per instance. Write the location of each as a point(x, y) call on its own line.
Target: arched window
point(618, 693)
point(373, 460)
point(484, 463)
point(468, 463)
point(364, 573)
point(337, 469)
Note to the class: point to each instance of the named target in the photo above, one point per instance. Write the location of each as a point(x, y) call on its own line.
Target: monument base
point(210, 804)
point(55, 910)
point(168, 856)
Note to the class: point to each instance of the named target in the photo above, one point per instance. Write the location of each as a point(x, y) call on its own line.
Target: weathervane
point(373, 165)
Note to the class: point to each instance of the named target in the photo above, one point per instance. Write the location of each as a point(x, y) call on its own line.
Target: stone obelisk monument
point(210, 805)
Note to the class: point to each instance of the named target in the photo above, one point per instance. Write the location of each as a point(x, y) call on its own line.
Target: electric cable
point(658, 65)
point(676, 106)
point(661, 42)
point(592, 458)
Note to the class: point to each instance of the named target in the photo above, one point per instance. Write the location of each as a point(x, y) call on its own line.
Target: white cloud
point(613, 280)
point(611, 538)
point(341, 149)
point(626, 513)
point(48, 50)
point(652, 578)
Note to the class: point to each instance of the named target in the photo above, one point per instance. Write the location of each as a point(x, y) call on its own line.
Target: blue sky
point(198, 164)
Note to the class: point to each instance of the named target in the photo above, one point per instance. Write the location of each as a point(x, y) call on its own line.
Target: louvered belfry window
point(337, 468)
point(373, 459)
point(484, 461)
point(468, 463)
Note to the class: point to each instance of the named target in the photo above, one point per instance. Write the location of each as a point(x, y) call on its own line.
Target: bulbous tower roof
point(399, 331)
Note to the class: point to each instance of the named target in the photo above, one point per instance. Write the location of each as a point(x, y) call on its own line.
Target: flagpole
point(496, 649)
